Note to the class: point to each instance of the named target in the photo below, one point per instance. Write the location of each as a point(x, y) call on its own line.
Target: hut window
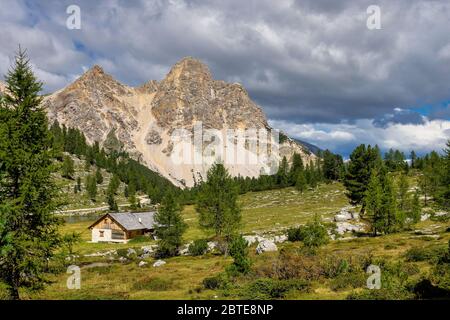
point(101, 234)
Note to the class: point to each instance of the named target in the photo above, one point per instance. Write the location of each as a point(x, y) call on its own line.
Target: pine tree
point(98, 176)
point(91, 187)
point(68, 167)
point(300, 183)
point(283, 173)
point(297, 166)
point(28, 227)
point(170, 226)
point(403, 187)
point(416, 208)
point(362, 161)
point(111, 200)
point(373, 202)
point(217, 203)
point(114, 184)
point(79, 184)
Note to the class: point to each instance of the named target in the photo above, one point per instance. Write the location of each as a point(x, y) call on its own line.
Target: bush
point(294, 234)
point(431, 254)
point(266, 288)
point(153, 284)
point(291, 265)
point(219, 281)
point(198, 247)
point(349, 280)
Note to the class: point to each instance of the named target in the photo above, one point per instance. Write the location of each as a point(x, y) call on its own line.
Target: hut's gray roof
point(134, 220)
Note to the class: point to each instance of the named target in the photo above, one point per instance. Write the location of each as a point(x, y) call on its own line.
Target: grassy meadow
point(264, 213)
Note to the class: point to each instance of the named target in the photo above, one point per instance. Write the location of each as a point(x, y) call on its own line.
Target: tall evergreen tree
point(300, 183)
point(296, 167)
point(416, 208)
point(217, 203)
point(91, 187)
point(283, 173)
point(170, 226)
point(403, 187)
point(68, 167)
point(362, 161)
point(28, 227)
point(98, 176)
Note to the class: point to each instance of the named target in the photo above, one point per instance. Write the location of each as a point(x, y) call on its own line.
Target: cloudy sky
point(316, 69)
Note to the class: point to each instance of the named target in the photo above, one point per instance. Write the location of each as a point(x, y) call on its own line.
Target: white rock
point(440, 213)
point(280, 239)
point(159, 263)
point(130, 252)
point(425, 216)
point(142, 264)
point(343, 227)
point(266, 246)
point(212, 245)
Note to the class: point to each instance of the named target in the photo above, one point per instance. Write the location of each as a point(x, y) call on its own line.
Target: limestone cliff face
point(145, 118)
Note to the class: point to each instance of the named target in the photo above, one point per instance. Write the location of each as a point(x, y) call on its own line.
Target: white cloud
point(342, 138)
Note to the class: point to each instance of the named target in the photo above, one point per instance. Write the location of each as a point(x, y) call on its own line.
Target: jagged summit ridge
point(143, 118)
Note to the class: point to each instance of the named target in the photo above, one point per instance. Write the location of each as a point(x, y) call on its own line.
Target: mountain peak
point(188, 69)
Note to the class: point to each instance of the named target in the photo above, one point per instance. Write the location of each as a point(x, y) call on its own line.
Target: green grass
point(267, 211)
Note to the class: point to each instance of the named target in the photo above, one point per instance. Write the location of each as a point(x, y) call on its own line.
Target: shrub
point(219, 281)
point(266, 288)
point(431, 254)
point(290, 265)
point(294, 234)
point(153, 284)
point(314, 234)
point(198, 247)
point(349, 280)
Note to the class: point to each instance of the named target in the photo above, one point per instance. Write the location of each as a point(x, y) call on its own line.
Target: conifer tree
point(373, 202)
point(403, 187)
point(283, 173)
point(300, 183)
point(217, 203)
point(98, 176)
point(68, 167)
point(91, 187)
point(28, 227)
point(416, 207)
point(170, 226)
point(297, 166)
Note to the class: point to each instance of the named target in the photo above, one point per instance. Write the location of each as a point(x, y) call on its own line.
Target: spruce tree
point(373, 202)
point(403, 187)
point(297, 166)
point(170, 226)
point(416, 208)
point(99, 176)
point(300, 183)
point(28, 228)
point(91, 187)
point(68, 167)
point(78, 184)
point(283, 173)
point(217, 203)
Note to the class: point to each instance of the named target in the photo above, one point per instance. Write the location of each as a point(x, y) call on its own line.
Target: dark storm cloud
point(400, 116)
point(304, 62)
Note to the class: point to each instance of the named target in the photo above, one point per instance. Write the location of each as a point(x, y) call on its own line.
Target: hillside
point(144, 119)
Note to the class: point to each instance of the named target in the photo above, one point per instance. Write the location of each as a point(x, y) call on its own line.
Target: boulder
point(343, 227)
point(280, 239)
point(142, 264)
point(266, 246)
point(425, 216)
point(159, 263)
point(131, 252)
point(212, 245)
point(253, 239)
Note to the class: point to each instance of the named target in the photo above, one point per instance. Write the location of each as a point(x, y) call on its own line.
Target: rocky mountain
point(174, 126)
